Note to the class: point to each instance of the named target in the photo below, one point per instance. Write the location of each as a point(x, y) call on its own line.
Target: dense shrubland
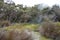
point(29, 23)
point(19, 14)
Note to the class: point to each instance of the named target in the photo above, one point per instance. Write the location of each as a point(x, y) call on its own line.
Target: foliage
point(50, 29)
point(19, 17)
point(19, 14)
point(19, 32)
point(4, 24)
point(23, 26)
point(15, 34)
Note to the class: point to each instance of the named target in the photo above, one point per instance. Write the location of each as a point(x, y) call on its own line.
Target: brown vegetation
point(50, 29)
point(15, 34)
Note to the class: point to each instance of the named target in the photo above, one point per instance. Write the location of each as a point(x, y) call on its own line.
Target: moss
point(22, 26)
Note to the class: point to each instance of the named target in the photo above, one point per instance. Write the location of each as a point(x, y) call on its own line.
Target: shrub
point(50, 29)
point(4, 23)
point(17, 34)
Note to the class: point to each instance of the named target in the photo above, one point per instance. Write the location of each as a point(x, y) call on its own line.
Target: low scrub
point(50, 30)
point(17, 34)
point(4, 24)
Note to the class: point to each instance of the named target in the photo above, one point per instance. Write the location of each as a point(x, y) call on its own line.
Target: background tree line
point(17, 13)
